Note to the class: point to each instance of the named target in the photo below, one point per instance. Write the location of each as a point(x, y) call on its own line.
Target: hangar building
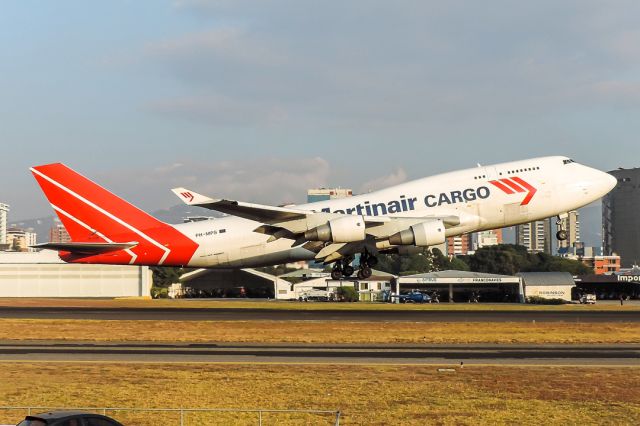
point(43, 274)
point(234, 282)
point(459, 286)
point(550, 285)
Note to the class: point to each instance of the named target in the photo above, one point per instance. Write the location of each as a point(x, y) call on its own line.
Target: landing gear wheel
point(364, 272)
point(347, 271)
point(561, 235)
point(372, 261)
point(336, 274)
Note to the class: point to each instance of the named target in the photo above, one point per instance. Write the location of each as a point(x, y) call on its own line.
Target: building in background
point(621, 218)
point(324, 194)
point(20, 239)
point(571, 224)
point(4, 210)
point(459, 245)
point(593, 258)
point(59, 234)
point(535, 236)
point(486, 238)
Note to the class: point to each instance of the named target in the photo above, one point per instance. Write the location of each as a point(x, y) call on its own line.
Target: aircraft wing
point(289, 222)
point(86, 248)
point(257, 212)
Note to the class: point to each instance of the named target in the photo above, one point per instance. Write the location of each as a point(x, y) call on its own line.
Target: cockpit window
point(568, 161)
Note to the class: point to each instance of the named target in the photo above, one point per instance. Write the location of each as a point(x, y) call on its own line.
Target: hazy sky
point(258, 100)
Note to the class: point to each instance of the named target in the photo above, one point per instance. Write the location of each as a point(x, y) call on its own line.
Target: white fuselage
point(555, 185)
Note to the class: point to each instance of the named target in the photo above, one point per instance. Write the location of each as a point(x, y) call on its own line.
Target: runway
point(550, 355)
point(247, 314)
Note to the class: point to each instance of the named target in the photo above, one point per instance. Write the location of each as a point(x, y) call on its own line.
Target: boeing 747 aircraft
point(105, 229)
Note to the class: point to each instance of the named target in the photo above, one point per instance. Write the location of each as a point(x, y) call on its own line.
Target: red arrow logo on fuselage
point(513, 185)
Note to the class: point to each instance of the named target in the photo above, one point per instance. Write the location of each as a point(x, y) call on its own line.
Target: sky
point(260, 100)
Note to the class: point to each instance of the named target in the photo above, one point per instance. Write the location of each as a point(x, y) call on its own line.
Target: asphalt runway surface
point(247, 314)
point(551, 355)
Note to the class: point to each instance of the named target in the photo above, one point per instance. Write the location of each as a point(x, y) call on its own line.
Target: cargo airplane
point(105, 229)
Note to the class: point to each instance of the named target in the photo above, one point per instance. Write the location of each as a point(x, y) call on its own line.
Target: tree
point(443, 263)
point(164, 276)
point(509, 259)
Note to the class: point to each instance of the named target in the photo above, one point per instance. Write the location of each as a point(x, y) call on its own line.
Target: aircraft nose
point(604, 182)
point(609, 182)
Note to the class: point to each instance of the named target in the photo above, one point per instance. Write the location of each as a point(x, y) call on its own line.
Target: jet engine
point(341, 230)
point(422, 234)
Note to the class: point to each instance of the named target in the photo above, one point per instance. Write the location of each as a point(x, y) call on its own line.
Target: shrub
point(159, 292)
point(537, 300)
point(347, 294)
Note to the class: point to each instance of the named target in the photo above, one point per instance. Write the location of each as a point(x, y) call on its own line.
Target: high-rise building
point(59, 234)
point(324, 194)
point(620, 218)
point(571, 224)
point(20, 239)
point(535, 236)
point(458, 245)
point(4, 210)
point(486, 238)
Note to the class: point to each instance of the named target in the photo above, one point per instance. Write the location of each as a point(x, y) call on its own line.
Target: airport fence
point(189, 416)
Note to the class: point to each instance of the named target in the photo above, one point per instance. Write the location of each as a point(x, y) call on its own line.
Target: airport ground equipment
point(317, 294)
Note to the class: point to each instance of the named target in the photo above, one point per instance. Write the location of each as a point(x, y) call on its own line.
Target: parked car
point(68, 418)
point(588, 299)
point(414, 296)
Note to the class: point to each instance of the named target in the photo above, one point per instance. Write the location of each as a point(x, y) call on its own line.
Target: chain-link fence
point(187, 416)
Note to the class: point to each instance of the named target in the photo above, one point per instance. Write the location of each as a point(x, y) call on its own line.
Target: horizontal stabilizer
point(86, 248)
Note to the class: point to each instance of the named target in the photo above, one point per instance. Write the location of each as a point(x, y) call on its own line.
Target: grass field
point(372, 395)
point(287, 305)
point(318, 332)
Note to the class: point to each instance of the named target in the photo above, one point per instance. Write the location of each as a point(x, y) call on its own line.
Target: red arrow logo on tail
point(513, 185)
point(187, 195)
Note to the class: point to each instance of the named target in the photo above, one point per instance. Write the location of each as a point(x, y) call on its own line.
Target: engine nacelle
point(424, 234)
point(341, 230)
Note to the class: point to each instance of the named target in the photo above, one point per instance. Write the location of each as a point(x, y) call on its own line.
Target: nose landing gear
point(562, 234)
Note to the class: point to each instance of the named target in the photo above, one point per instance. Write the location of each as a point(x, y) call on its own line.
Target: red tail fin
point(90, 213)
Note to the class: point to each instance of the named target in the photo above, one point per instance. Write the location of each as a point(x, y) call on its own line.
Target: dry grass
point(289, 305)
point(372, 395)
point(318, 332)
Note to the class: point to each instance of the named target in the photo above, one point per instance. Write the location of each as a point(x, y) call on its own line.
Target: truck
point(316, 294)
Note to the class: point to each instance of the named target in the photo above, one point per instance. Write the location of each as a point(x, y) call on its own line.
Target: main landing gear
point(344, 269)
point(562, 234)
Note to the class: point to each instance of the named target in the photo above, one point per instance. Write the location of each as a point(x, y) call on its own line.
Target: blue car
point(414, 296)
